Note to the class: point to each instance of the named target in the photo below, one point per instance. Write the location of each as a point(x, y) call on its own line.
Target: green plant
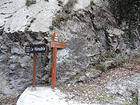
point(56, 23)
point(29, 2)
point(134, 98)
point(111, 58)
point(58, 19)
point(119, 59)
point(75, 12)
point(51, 28)
point(26, 28)
point(105, 98)
point(61, 87)
point(8, 28)
point(93, 70)
point(101, 67)
point(107, 55)
point(80, 74)
point(110, 54)
point(1, 97)
point(122, 59)
point(32, 20)
point(127, 103)
point(137, 59)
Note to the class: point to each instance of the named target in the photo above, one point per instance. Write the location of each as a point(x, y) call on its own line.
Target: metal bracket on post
point(55, 45)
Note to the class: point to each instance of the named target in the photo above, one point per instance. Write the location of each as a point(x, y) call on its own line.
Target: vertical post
point(34, 69)
point(54, 65)
point(54, 68)
point(55, 45)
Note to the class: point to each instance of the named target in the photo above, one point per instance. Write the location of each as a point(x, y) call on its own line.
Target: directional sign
point(55, 45)
point(38, 48)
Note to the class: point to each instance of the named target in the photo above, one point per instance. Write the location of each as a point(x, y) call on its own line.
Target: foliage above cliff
point(126, 10)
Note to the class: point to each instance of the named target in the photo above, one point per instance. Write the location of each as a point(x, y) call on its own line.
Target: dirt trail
point(95, 90)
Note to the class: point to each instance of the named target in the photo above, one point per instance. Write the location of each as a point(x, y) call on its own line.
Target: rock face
point(15, 11)
point(88, 33)
point(34, 17)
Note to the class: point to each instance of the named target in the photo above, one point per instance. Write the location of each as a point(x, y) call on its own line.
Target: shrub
point(126, 10)
point(29, 2)
point(59, 19)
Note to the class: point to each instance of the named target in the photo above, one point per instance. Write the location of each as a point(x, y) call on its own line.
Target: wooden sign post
point(55, 45)
point(34, 69)
point(38, 48)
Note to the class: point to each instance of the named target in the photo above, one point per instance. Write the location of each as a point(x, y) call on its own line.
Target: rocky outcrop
point(88, 33)
point(16, 65)
point(22, 24)
point(36, 16)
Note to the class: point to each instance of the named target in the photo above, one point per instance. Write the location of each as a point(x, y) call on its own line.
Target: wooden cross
point(55, 45)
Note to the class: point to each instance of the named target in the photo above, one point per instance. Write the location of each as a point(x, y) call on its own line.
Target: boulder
point(16, 50)
point(25, 61)
point(45, 96)
point(3, 58)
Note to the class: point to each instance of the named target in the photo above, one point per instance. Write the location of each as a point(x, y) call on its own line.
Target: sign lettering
point(38, 48)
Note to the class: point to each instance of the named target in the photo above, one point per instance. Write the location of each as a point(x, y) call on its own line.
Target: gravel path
point(8, 100)
point(95, 90)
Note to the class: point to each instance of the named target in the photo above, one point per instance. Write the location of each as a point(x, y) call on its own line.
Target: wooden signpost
point(42, 48)
point(38, 48)
point(55, 45)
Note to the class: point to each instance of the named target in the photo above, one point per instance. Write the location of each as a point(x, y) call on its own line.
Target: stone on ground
point(44, 96)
